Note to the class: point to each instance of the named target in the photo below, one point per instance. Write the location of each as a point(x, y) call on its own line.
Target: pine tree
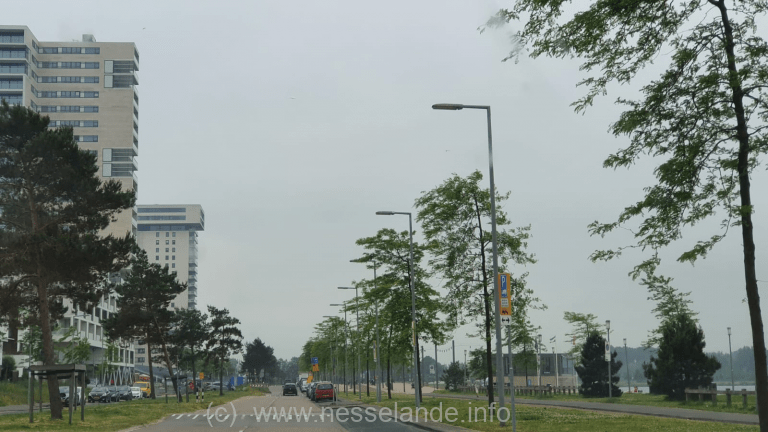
point(453, 376)
point(593, 370)
point(680, 361)
point(53, 210)
point(224, 339)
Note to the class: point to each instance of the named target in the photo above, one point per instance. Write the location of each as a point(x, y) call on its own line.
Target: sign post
point(505, 298)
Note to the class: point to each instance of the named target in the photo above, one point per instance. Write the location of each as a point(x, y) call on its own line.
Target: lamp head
point(385, 213)
point(625, 341)
point(607, 323)
point(729, 331)
point(449, 107)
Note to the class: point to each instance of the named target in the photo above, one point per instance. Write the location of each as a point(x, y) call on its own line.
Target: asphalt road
point(282, 413)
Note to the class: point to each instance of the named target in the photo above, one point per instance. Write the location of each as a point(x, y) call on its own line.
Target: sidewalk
point(676, 413)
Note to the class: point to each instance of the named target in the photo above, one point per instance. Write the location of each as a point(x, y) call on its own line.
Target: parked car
point(64, 394)
point(323, 391)
point(300, 383)
point(124, 393)
point(136, 392)
point(290, 388)
point(311, 388)
point(145, 388)
point(99, 394)
point(114, 394)
point(303, 386)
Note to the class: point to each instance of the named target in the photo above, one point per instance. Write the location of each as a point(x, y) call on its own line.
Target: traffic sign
point(505, 296)
point(202, 375)
point(314, 360)
point(506, 320)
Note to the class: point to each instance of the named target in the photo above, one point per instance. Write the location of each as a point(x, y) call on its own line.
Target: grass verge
point(17, 393)
point(118, 416)
point(644, 399)
point(546, 419)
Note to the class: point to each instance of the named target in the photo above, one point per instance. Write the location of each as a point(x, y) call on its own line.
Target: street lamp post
point(377, 351)
point(730, 354)
point(413, 304)
point(2, 345)
point(465, 367)
point(538, 359)
point(357, 313)
point(626, 359)
point(499, 370)
point(346, 335)
point(608, 333)
point(333, 364)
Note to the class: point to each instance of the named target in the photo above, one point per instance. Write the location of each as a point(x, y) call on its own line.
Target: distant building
point(90, 86)
point(169, 235)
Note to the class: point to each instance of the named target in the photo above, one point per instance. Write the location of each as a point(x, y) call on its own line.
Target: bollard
point(687, 396)
point(744, 397)
point(728, 397)
point(714, 397)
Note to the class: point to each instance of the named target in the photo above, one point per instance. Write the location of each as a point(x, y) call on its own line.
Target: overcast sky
point(293, 122)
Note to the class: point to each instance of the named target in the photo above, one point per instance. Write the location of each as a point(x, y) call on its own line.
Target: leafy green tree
point(583, 326)
point(143, 308)
point(669, 304)
point(224, 339)
point(704, 117)
point(680, 361)
point(77, 349)
point(9, 365)
point(593, 368)
point(53, 210)
point(453, 376)
point(389, 250)
point(259, 356)
point(456, 219)
point(187, 335)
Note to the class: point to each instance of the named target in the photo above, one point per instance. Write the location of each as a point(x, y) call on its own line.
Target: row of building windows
point(11, 37)
point(162, 210)
point(166, 250)
point(68, 65)
point(147, 218)
point(68, 108)
point(13, 53)
point(74, 123)
point(157, 242)
point(117, 170)
point(12, 99)
point(68, 79)
point(68, 50)
point(157, 234)
point(157, 258)
point(87, 138)
point(15, 84)
point(67, 94)
point(13, 68)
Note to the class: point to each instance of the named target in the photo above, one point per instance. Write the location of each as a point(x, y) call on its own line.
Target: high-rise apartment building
point(90, 86)
point(168, 233)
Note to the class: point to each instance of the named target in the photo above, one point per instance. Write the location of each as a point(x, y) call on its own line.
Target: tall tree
point(224, 339)
point(669, 304)
point(259, 356)
point(391, 290)
point(456, 217)
point(188, 334)
point(583, 326)
point(705, 116)
point(52, 211)
point(680, 361)
point(143, 308)
point(593, 368)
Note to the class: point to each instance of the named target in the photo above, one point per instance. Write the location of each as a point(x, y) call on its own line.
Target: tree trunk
point(194, 369)
point(48, 354)
point(486, 304)
point(418, 372)
point(389, 364)
point(169, 365)
point(221, 378)
point(367, 378)
point(151, 371)
point(747, 227)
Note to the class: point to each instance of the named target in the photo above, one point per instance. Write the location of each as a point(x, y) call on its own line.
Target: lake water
point(645, 389)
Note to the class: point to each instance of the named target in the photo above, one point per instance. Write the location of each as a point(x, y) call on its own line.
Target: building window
point(12, 99)
point(166, 257)
point(157, 258)
point(173, 257)
point(157, 250)
point(174, 234)
point(173, 304)
point(173, 265)
point(174, 241)
point(174, 250)
point(140, 359)
point(13, 68)
point(157, 242)
point(167, 234)
point(140, 350)
point(92, 50)
point(157, 234)
point(166, 242)
point(43, 50)
point(93, 109)
point(15, 84)
point(13, 53)
point(166, 249)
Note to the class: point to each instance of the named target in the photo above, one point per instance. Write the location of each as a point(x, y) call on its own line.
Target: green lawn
point(648, 400)
point(544, 419)
point(118, 416)
point(16, 393)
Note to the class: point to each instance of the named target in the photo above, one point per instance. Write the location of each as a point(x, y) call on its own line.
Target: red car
point(323, 391)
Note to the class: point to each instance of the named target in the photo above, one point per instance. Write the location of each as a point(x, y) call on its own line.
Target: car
point(145, 388)
point(99, 394)
point(303, 386)
point(300, 383)
point(114, 394)
point(323, 390)
point(64, 394)
point(290, 388)
point(124, 393)
point(136, 392)
point(311, 388)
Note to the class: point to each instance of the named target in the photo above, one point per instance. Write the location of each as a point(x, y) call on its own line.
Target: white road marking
point(195, 416)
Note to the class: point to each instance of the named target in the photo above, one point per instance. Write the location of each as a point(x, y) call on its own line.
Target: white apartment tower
point(90, 86)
